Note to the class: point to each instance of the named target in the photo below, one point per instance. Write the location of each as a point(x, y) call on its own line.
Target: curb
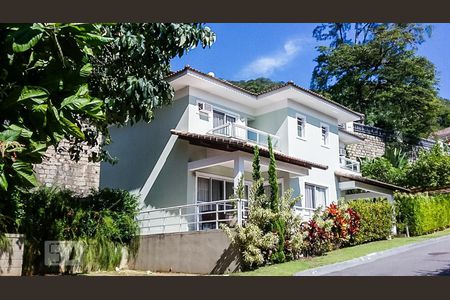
point(324, 270)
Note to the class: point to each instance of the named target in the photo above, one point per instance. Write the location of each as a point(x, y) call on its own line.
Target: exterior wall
point(175, 252)
point(57, 169)
point(11, 261)
point(275, 123)
point(151, 162)
point(372, 146)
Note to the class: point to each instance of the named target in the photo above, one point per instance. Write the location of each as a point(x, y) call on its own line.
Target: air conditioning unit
point(204, 107)
point(342, 152)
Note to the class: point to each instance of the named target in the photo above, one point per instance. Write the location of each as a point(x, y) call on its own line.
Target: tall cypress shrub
point(278, 225)
point(256, 175)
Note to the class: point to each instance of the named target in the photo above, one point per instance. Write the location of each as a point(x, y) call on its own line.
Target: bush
point(332, 228)
point(422, 213)
point(381, 168)
point(377, 218)
point(103, 221)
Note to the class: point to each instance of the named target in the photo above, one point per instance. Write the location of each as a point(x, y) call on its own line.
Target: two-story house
point(186, 163)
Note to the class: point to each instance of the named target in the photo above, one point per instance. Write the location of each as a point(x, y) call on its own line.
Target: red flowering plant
point(333, 227)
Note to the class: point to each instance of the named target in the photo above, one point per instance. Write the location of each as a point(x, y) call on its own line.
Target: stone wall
point(11, 259)
point(57, 169)
point(373, 146)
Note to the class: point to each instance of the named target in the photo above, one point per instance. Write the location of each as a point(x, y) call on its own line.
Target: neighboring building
point(443, 135)
point(186, 163)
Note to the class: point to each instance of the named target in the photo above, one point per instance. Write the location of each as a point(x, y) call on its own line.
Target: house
point(186, 163)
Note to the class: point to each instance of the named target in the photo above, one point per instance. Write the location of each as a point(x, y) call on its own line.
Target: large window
point(315, 196)
point(301, 125)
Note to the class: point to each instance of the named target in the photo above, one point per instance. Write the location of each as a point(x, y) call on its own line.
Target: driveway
point(430, 259)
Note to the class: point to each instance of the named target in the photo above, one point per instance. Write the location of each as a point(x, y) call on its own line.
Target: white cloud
point(265, 66)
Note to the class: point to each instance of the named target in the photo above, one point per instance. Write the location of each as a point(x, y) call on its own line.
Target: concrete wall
point(57, 169)
point(11, 260)
point(201, 252)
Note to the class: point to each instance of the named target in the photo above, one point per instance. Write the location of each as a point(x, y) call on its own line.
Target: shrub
point(103, 221)
point(381, 168)
point(376, 219)
point(422, 213)
point(332, 228)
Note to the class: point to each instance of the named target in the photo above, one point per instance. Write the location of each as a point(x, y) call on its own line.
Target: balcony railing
point(245, 133)
point(193, 217)
point(349, 164)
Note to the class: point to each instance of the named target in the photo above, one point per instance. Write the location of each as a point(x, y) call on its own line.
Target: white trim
point(327, 192)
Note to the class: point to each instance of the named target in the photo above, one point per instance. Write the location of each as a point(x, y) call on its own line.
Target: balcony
point(349, 164)
point(245, 133)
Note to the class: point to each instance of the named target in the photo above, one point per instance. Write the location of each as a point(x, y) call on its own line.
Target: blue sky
point(285, 51)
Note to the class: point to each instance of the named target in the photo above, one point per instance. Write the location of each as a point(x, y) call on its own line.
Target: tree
point(257, 85)
point(256, 174)
point(444, 114)
point(278, 224)
point(374, 68)
point(72, 81)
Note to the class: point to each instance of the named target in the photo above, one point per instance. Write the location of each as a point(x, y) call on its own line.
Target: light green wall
point(138, 149)
point(312, 120)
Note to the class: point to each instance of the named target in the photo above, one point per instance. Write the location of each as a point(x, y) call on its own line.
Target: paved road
point(428, 260)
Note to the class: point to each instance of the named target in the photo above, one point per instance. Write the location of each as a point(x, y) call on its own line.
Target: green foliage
point(444, 114)
point(257, 85)
point(422, 213)
point(377, 72)
point(104, 219)
point(256, 173)
point(277, 225)
point(69, 81)
point(255, 241)
point(381, 169)
point(431, 169)
point(44, 95)
point(332, 228)
point(377, 218)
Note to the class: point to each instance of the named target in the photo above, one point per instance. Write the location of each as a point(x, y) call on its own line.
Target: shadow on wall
point(228, 257)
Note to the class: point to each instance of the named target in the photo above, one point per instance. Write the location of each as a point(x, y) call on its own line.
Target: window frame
point(314, 200)
point(325, 142)
point(303, 118)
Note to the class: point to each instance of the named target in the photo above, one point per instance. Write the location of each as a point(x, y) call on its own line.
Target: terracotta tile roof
point(229, 144)
point(290, 83)
point(371, 181)
point(440, 190)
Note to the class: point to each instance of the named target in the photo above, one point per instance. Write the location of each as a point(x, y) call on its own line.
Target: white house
point(186, 163)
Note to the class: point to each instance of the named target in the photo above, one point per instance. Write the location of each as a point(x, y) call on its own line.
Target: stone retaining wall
point(11, 260)
point(372, 146)
point(57, 169)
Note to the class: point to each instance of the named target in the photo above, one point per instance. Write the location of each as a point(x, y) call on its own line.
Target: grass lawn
point(289, 268)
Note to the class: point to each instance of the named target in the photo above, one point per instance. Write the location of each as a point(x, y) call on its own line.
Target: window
point(325, 133)
point(221, 118)
point(301, 123)
point(315, 196)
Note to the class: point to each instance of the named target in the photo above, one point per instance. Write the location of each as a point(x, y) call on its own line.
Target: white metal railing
point(304, 212)
point(349, 164)
point(245, 133)
point(193, 217)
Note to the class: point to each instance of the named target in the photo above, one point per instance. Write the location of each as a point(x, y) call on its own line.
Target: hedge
point(104, 221)
point(422, 213)
point(377, 217)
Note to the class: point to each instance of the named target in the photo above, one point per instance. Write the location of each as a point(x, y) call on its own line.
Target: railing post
point(217, 216)
point(197, 217)
point(179, 216)
point(239, 212)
